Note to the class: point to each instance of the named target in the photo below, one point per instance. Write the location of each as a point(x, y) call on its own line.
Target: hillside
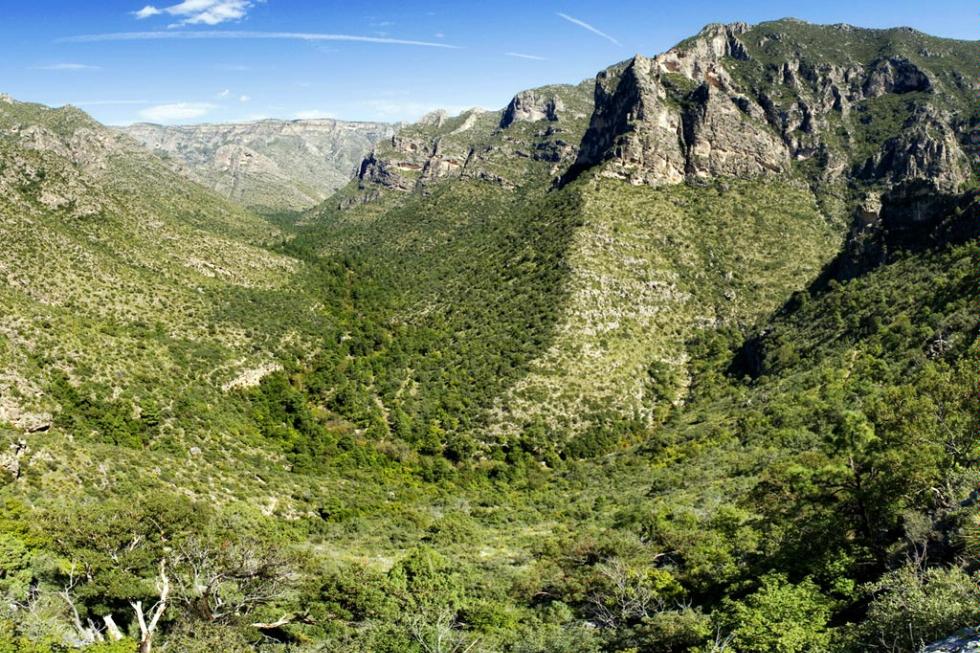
point(271, 165)
point(807, 147)
point(682, 358)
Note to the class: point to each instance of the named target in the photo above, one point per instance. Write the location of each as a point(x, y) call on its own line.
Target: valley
point(679, 358)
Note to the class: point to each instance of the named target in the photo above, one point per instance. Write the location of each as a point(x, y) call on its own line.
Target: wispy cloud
point(313, 114)
point(244, 98)
point(200, 12)
point(176, 112)
point(225, 93)
point(585, 25)
point(521, 55)
point(109, 103)
point(67, 67)
point(206, 34)
point(408, 109)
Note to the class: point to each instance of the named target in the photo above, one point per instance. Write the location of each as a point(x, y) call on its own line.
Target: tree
point(779, 617)
point(223, 580)
point(120, 554)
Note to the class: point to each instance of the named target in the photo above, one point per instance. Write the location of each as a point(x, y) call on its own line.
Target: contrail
point(583, 24)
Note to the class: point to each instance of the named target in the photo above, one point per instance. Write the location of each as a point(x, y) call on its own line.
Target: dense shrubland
point(813, 494)
point(794, 468)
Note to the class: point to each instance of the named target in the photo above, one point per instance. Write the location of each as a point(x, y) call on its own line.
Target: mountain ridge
point(716, 389)
point(271, 165)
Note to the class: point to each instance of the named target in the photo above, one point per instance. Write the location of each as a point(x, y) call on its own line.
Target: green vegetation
point(478, 416)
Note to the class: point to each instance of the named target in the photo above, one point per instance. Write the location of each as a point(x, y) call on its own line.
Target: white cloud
point(440, 35)
point(146, 12)
point(244, 98)
point(313, 114)
point(67, 67)
point(295, 36)
point(225, 93)
point(200, 12)
point(521, 55)
point(585, 25)
point(176, 112)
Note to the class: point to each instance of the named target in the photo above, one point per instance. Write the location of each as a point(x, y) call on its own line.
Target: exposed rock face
point(270, 164)
point(530, 106)
point(633, 126)
point(692, 113)
point(724, 136)
point(927, 149)
point(966, 641)
point(413, 161)
point(646, 130)
point(482, 145)
point(845, 105)
point(895, 75)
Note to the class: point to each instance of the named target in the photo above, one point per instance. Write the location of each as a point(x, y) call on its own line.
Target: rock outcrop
point(734, 101)
point(965, 641)
point(480, 145)
point(531, 106)
point(710, 108)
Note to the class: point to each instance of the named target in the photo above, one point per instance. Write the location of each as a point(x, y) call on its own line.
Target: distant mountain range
point(269, 165)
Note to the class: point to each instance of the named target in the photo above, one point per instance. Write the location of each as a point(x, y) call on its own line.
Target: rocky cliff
point(875, 111)
point(855, 142)
point(534, 138)
point(270, 164)
point(755, 101)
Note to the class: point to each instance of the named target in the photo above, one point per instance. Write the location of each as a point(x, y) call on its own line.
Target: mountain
point(681, 358)
point(271, 165)
point(781, 133)
point(117, 273)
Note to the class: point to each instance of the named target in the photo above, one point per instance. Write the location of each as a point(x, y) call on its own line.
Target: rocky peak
point(481, 145)
point(531, 106)
point(722, 40)
point(633, 127)
point(648, 128)
point(745, 101)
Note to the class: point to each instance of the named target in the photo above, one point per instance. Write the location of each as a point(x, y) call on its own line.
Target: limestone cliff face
point(633, 127)
point(838, 106)
point(746, 102)
point(680, 116)
point(531, 106)
point(269, 164)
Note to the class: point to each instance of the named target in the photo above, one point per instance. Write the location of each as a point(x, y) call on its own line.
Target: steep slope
point(271, 165)
point(121, 282)
point(811, 132)
point(679, 360)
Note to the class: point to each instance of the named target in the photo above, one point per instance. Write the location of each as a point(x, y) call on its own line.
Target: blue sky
point(186, 61)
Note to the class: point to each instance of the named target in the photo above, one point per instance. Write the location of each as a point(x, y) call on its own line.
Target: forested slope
point(682, 359)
